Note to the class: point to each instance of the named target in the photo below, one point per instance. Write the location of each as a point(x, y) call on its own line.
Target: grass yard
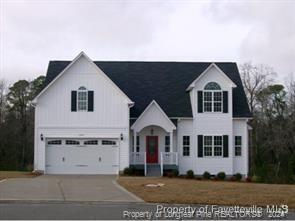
point(16, 174)
point(177, 190)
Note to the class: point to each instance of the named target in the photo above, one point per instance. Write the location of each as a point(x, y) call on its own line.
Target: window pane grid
point(186, 145)
point(167, 143)
point(212, 101)
point(54, 142)
point(212, 86)
point(238, 145)
point(108, 142)
point(82, 99)
point(91, 142)
point(72, 142)
point(213, 146)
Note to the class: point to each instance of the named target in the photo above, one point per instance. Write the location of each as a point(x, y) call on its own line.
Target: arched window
point(212, 86)
point(212, 97)
point(82, 99)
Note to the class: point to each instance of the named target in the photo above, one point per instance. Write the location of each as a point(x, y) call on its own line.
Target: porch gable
point(153, 115)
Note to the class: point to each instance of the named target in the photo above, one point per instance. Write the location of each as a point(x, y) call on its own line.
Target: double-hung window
point(137, 144)
point(167, 143)
point(238, 146)
point(213, 146)
point(212, 97)
point(82, 99)
point(186, 145)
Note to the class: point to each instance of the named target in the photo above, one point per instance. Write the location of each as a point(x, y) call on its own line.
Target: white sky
point(34, 32)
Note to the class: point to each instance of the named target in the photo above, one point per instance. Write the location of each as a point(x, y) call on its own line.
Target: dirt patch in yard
point(177, 190)
point(16, 174)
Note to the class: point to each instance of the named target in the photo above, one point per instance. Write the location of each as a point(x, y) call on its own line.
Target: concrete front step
point(153, 170)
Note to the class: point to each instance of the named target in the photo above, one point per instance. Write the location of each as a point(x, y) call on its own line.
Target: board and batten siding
point(212, 124)
point(241, 162)
point(185, 128)
point(53, 110)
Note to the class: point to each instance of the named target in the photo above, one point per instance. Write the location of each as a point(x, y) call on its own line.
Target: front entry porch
point(154, 136)
point(168, 161)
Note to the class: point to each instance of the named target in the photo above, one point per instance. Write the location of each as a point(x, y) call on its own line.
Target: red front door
point(152, 149)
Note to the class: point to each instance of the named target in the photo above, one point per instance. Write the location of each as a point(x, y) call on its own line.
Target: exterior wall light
point(41, 137)
point(152, 131)
point(121, 136)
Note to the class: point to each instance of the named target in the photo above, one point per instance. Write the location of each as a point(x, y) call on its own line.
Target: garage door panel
point(84, 159)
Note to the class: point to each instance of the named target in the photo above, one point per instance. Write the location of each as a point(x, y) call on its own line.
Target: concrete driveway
point(66, 188)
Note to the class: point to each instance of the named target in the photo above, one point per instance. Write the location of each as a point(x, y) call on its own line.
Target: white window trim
point(212, 103)
point(137, 146)
point(241, 146)
point(189, 146)
point(79, 91)
point(212, 145)
point(167, 145)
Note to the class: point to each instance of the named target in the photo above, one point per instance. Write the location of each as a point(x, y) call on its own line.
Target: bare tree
point(255, 78)
point(3, 89)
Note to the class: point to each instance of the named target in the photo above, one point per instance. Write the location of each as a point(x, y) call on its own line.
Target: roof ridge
point(125, 61)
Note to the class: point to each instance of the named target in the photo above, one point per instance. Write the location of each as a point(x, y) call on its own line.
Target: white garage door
point(82, 156)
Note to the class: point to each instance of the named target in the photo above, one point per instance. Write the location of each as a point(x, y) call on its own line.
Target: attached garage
point(81, 156)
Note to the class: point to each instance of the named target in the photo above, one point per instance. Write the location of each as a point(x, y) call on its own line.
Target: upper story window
point(82, 99)
point(212, 97)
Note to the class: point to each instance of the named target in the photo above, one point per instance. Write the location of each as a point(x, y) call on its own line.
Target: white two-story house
point(99, 117)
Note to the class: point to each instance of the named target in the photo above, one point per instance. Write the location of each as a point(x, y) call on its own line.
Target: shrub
point(221, 175)
point(257, 179)
point(233, 178)
point(30, 167)
point(249, 179)
point(169, 174)
point(128, 171)
point(190, 174)
point(238, 176)
point(206, 175)
point(175, 172)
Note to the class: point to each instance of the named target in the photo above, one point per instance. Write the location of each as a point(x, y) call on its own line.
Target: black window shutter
point(74, 101)
point(90, 100)
point(200, 145)
point(200, 101)
point(225, 101)
point(225, 145)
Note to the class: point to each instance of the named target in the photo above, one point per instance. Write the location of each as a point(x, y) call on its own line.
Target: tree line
point(272, 147)
point(17, 123)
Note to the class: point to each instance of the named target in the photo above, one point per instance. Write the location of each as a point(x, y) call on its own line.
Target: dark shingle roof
point(165, 82)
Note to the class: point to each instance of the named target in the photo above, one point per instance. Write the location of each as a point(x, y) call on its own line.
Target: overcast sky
point(34, 32)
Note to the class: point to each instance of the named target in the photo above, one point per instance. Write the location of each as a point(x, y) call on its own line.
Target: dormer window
point(212, 97)
point(82, 99)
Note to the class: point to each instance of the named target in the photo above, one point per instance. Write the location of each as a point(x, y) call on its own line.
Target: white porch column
point(134, 140)
point(171, 141)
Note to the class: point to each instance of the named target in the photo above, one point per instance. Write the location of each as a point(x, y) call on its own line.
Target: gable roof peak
point(212, 65)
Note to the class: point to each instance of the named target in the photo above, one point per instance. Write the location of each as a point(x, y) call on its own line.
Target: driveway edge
point(126, 191)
